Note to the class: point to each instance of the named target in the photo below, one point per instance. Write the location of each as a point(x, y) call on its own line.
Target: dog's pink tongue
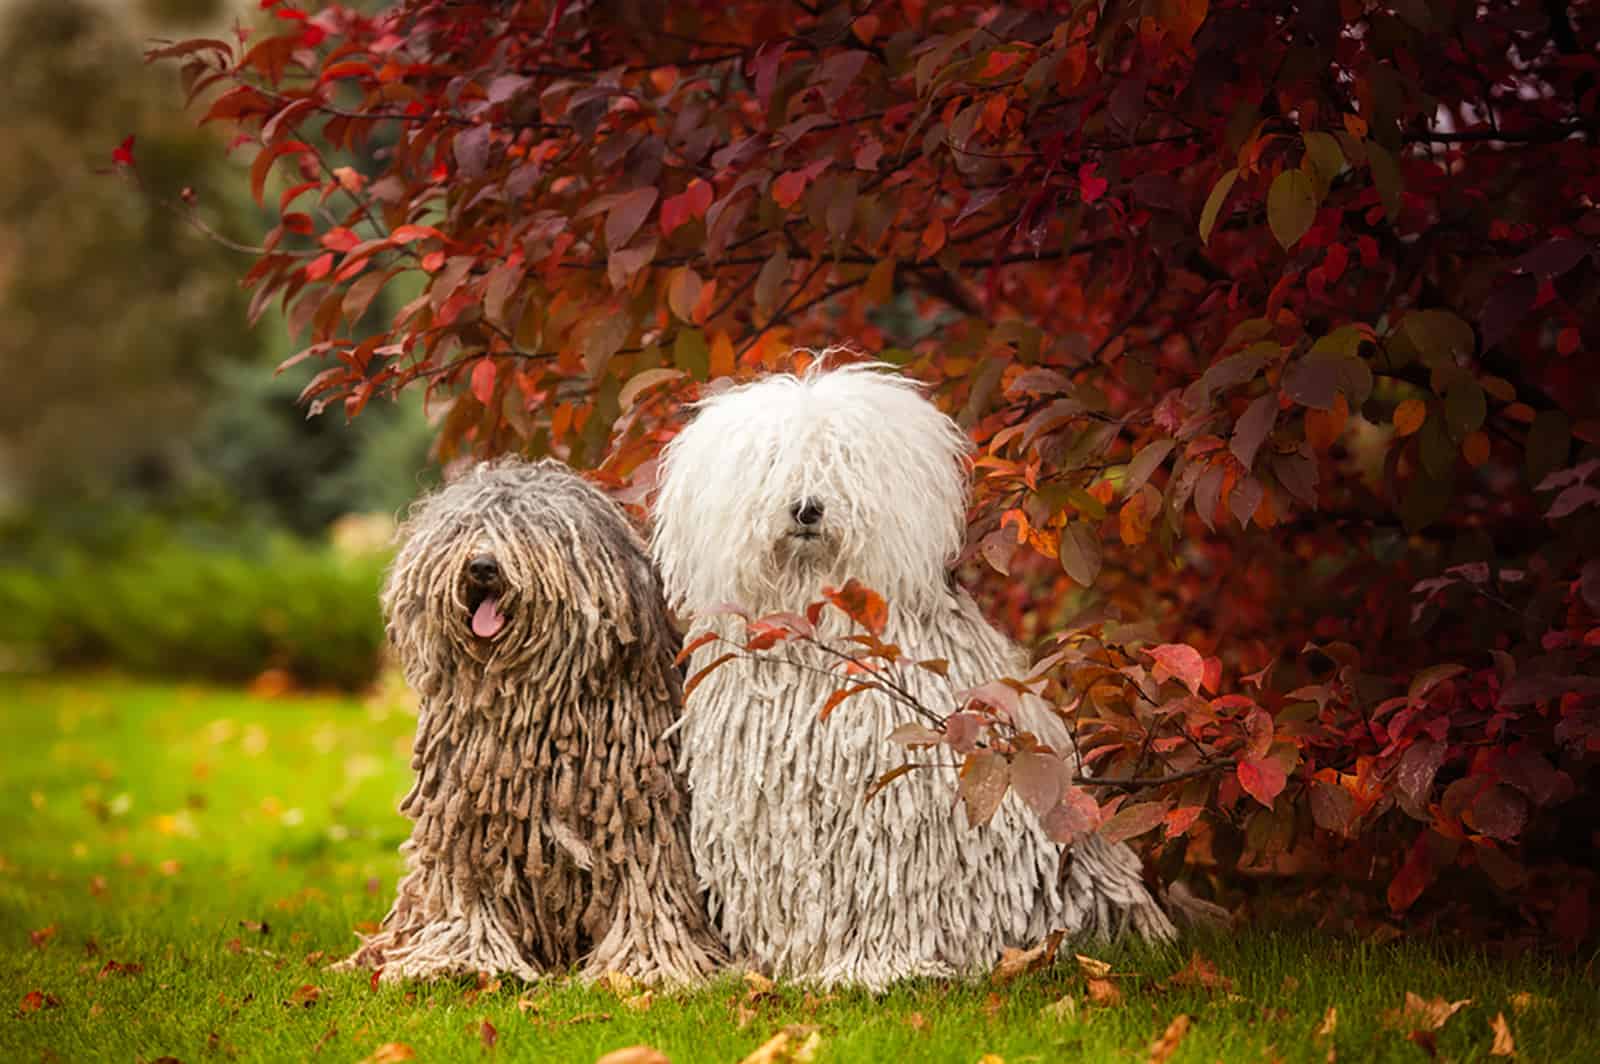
point(487, 619)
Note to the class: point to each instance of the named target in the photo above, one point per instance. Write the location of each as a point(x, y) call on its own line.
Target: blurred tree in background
point(114, 306)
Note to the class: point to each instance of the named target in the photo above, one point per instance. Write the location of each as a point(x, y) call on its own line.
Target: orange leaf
point(861, 604)
point(1133, 522)
point(722, 356)
point(1324, 427)
point(932, 238)
point(1409, 416)
point(1475, 448)
point(840, 695)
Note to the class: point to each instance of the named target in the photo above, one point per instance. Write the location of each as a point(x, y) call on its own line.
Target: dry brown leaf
point(1503, 1044)
point(991, 1058)
point(743, 1017)
point(1200, 972)
point(1522, 1001)
point(528, 1001)
point(619, 983)
point(780, 1047)
point(1428, 1014)
point(1330, 1022)
point(916, 1021)
point(1290, 984)
point(488, 1033)
point(390, 1053)
point(1063, 1011)
point(1163, 1048)
point(305, 995)
point(640, 1002)
point(992, 1005)
point(758, 983)
point(1104, 992)
point(41, 938)
point(634, 1055)
point(1092, 968)
point(1015, 962)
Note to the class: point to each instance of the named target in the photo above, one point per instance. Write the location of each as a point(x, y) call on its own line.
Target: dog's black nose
point(483, 570)
point(807, 512)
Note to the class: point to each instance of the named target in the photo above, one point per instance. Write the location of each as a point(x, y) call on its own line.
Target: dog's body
point(778, 489)
point(551, 827)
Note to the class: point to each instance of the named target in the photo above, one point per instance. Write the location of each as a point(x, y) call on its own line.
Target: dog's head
point(779, 487)
point(513, 557)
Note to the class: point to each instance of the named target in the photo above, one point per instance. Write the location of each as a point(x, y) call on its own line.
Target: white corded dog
point(773, 491)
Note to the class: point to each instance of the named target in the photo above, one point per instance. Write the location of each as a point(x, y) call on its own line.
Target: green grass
point(227, 845)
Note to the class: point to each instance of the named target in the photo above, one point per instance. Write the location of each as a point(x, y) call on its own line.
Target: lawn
point(178, 865)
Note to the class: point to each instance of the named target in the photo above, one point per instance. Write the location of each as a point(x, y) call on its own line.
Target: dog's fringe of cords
point(550, 827)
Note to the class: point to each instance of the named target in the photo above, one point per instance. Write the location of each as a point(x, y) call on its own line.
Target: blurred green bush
point(142, 594)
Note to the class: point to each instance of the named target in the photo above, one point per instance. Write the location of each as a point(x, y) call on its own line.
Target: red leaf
point(483, 380)
point(1090, 186)
point(627, 215)
point(1181, 661)
point(1261, 779)
point(122, 155)
point(1180, 820)
point(1413, 877)
point(1132, 821)
point(319, 267)
point(688, 205)
point(1075, 816)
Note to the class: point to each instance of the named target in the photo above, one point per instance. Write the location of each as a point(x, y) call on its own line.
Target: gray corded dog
point(551, 828)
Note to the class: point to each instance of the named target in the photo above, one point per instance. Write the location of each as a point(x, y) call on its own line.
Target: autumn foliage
point(1275, 326)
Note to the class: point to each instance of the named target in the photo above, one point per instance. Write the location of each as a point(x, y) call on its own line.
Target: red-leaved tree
point(1275, 326)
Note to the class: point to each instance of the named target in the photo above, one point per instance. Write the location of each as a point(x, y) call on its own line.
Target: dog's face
point(780, 487)
point(511, 558)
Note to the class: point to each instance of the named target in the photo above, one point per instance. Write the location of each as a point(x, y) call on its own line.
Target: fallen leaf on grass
point(1330, 1022)
point(991, 1058)
point(316, 958)
point(992, 1005)
point(1015, 962)
point(1290, 984)
point(34, 1000)
point(1162, 1048)
point(116, 968)
point(304, 995)
point(488, 1033)
point(390, 1053)
point(1522, 1001)
point(1423, 1013)
point(640, 1002)
point(528, 1000)
point(321, 1043)
point(1503, 1044)
point(797, 1043)
point(917, 1021)
point(1201, 973)
point(1063, 1011)
point(760, 986)
point(1104, 992)
point(743, 1017)
point(619, 983)
point(634, 1055)
point(41, 938)
point(1094, 969)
